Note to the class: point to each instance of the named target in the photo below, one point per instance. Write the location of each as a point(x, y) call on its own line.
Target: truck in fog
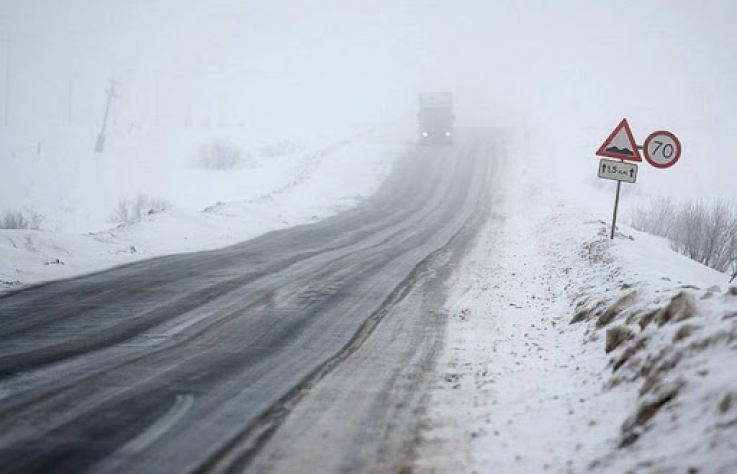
point(435, 118)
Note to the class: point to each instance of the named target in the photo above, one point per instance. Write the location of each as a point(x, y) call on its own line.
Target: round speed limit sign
point(662, 149)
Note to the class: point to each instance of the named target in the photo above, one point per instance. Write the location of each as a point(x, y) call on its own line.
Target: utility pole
point(100, 144)
point(7, 82)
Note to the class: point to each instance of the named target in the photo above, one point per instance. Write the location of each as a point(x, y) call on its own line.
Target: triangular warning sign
point(620, 144)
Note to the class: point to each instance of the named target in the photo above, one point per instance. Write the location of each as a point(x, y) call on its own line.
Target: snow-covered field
point(568, 352)
point(278, 178)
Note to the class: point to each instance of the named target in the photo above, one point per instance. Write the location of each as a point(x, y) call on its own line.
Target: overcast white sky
point(569, 69)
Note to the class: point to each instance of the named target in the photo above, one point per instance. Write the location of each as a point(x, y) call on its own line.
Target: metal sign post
point(618, 171)
point(616, 208)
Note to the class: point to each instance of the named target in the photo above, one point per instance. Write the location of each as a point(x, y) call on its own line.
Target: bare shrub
point(17, 219)
point(703, 230)
point(222, 155)
point(129, 211)
point(657, 218)
point(280, 148)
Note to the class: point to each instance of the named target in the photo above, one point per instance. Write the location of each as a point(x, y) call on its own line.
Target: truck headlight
point(425, 134)
point(447, 134)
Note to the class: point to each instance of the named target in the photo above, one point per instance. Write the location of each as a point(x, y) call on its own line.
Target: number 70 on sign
point(662, 149)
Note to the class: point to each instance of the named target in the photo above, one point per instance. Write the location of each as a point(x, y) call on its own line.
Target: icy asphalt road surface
point(167, 365)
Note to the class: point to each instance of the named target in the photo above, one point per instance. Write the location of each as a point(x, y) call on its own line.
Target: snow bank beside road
point(77, 191)
point(524, 389)
point(671, 334)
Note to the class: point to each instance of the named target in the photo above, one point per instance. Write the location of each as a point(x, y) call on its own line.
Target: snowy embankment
point(568, 352)
point(192, 190)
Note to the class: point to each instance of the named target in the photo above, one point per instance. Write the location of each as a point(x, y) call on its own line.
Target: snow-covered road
point(178, 358)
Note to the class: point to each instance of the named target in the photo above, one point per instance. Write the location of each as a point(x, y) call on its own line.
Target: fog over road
point(175, 364)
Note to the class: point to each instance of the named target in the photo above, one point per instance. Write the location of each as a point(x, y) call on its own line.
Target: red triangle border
point(602, 149)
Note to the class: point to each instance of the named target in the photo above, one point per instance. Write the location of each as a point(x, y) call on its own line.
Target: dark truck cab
point(435, 118)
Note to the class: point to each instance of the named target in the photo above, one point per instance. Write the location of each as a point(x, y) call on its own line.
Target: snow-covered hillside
point(568, 352)
point(196, 190)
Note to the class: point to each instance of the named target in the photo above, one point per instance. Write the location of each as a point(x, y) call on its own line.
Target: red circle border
point(653, 162)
